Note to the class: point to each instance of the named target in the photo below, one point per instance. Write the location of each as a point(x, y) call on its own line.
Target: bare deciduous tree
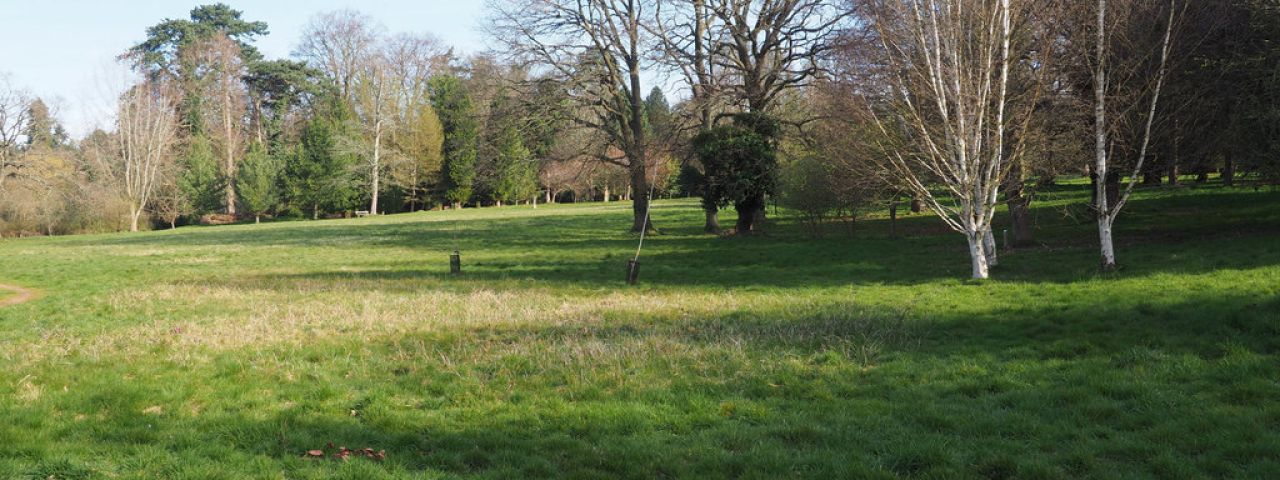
point(685, 30)
point(146, 131)
point(337, 43)
point(168, 201)
point(770, 46)
point(391, 99)
point(947, 66)
point(375, 105)
point(600, 47)
point(14, 116)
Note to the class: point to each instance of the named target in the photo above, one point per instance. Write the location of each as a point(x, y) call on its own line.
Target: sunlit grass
point(229, 352)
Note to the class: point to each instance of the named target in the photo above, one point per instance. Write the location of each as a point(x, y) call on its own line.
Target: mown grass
point(228, 352)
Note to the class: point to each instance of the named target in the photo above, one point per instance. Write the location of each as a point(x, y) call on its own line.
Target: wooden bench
point(362, 213)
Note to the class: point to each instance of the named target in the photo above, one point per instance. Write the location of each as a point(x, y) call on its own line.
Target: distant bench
point(362, 213)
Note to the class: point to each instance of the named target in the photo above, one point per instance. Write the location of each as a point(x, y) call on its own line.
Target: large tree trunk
point(712, 224)
point(638, 150)
point(134, 216)
point(977, 255)
point(228, 145)
point(377, 157)
point(640, 202)
point(1019, 206)
point(749, 215)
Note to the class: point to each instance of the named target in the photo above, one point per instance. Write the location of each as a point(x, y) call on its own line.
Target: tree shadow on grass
point(1133, 390)
point(744, 263)
point(799, 403)
point(1178, 232)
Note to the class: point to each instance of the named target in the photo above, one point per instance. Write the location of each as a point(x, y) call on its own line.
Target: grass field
point(229, 352)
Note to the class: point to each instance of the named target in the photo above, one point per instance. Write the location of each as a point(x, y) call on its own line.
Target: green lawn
point(229, 352)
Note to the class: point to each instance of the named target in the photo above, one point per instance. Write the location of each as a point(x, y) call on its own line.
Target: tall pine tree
point(461, 130)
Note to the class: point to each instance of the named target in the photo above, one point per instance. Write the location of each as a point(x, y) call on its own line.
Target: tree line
point(829, 107)
point(359, 119)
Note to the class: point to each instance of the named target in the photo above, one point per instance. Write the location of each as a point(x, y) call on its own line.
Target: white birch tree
point(1106, 119)
point(942, 107)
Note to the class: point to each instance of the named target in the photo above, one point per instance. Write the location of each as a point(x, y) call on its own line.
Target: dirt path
point(21, 295)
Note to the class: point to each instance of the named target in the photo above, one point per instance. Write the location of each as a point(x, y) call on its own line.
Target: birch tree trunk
point(377, 170)
point(1106, 210)
point(949, 64)
point(1100, 142)
point(978, 255)
point(989, 248)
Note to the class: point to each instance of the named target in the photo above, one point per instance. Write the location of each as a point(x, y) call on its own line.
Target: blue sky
point(57, 49)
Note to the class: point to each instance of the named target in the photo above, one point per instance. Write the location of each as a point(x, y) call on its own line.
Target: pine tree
point(200, 179)
point(457, 116)
point(257, 181)
point(318, 176)
point(515, 172)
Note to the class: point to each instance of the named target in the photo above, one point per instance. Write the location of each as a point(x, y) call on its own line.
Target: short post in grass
point(633, 271)
point(455, 263)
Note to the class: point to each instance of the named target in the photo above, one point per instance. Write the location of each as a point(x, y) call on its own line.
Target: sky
point(60, 50)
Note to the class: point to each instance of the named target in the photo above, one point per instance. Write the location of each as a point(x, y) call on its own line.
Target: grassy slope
point(227, 352)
